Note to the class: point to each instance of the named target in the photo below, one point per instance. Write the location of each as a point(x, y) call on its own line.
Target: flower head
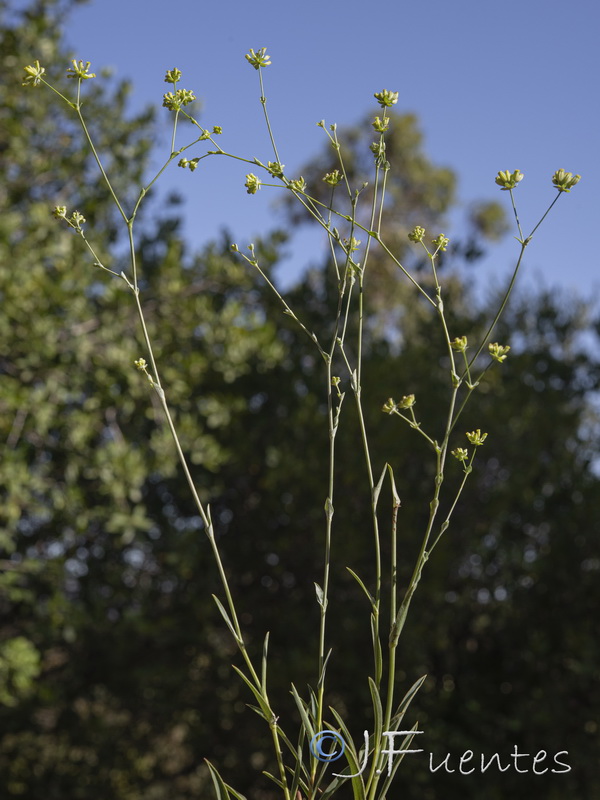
point(477, 437)
point(564, 181)
point(459, 344)
point(76, 220)
point(417, 234)
point(386, 98)
point(351, 245)
point(461, 453)
point(389, 406)
point(381, 125)
point(441, 242)
point(408, 401)
point(275, 169)
point(498, 352)
point(191, 164)
point(252, 184)
point(173, 75)
point(333, 178)
point(258, 59)
point(33, 74)
point(299, 185)
point(80, 70)
point(174, 101)
point(508, 180)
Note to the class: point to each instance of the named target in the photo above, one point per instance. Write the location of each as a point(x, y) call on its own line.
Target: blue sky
point(496, 86)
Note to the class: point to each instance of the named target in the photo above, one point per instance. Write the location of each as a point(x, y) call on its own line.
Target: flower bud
point(441, 242)
point(417, 234)
point(173, 76)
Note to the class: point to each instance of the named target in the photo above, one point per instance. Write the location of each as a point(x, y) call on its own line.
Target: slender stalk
point(263, 101)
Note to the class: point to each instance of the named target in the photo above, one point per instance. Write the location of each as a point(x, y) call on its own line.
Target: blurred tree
point(115, 673)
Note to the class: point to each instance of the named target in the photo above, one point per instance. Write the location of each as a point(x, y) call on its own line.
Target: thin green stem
point(512, 199)
point(99, 163)
point(263, 101)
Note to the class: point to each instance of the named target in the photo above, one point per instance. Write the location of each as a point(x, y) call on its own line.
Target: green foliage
point(19, 667)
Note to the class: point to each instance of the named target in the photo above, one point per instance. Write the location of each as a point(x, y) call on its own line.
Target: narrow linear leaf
point(320, 595)
point(395, 494)
point(257, 694)
point(263, 672)
point(322, 675)
point(358, 785)
point(362, 586)
point(227, 619)
point(405, 702)
point(377, 710)
point(308, 727)
point(221, 792)
point(272, 777)
point(377, 487)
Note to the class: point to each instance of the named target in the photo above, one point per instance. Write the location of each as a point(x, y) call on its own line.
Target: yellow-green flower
point(477, 437)
point(508, 180)
point(461, 453)
point(333, 178)
point(33, 74)
point(440, 242)
point(299, 185)
point(459, 344)
point(381, 125)
point(417, 234)
point(80, 70)
point(498, 352)
point(408, 401)
point(389, 406)
point(173, 75)
point(182, 97)
point(564, 181)
point(252, 184)
point(386, 98)
point(258, 59)
point(275, 169)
